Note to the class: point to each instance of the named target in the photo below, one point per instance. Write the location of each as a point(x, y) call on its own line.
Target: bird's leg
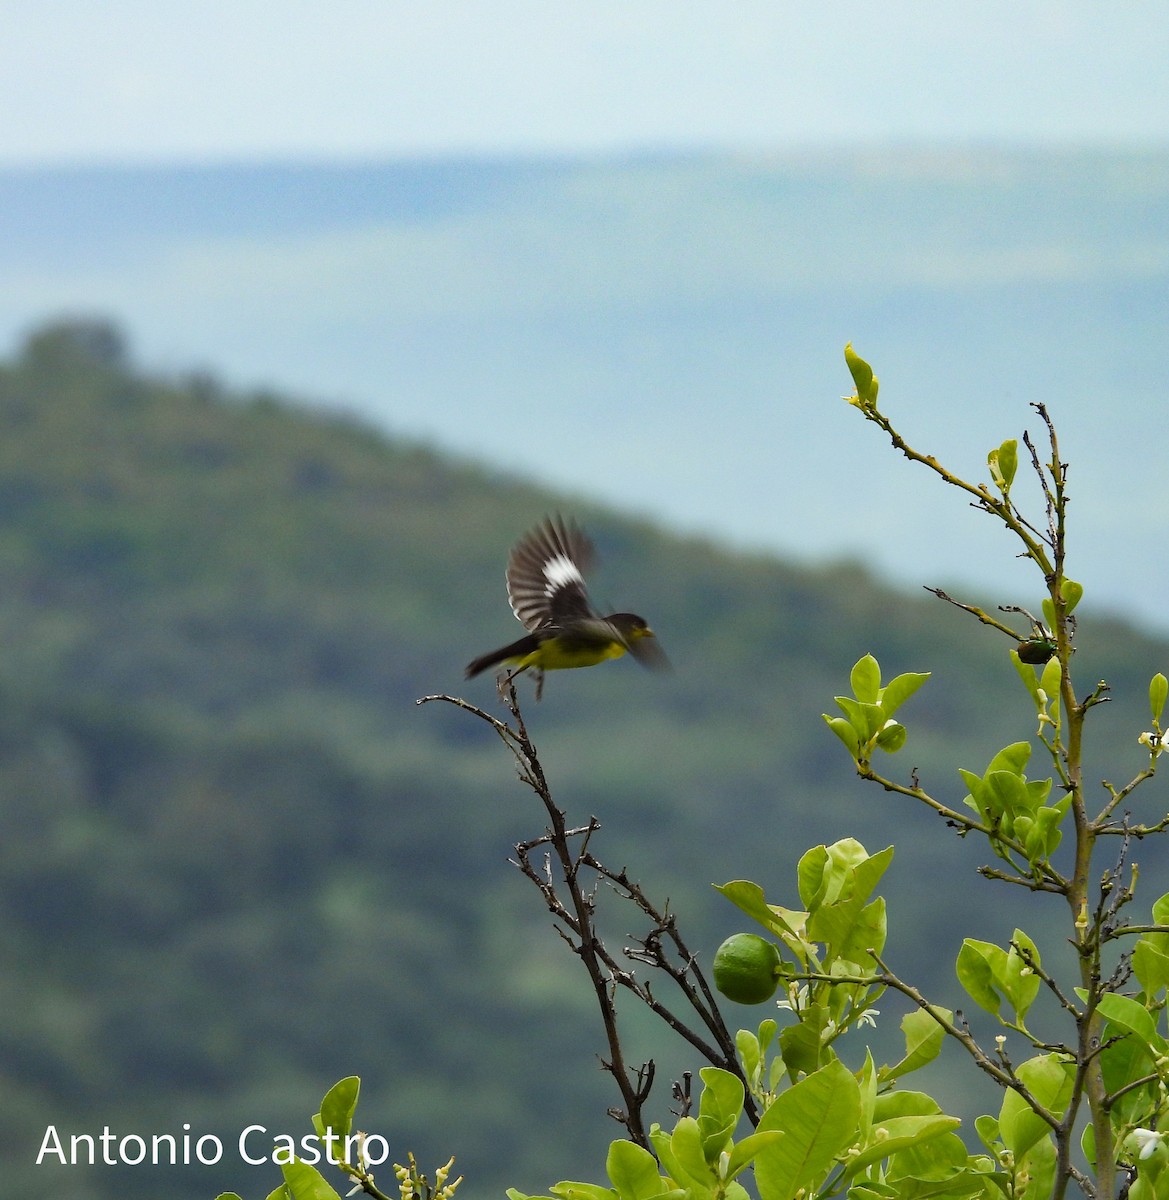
point(505, 677)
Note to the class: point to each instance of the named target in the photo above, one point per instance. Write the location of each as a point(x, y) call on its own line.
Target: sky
point(144, 82)
point(139, 80)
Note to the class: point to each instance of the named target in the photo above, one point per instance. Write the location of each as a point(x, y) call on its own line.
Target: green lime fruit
point(746, 968)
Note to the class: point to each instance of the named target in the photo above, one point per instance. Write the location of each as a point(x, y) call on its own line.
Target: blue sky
point(326, 314)
point(135, 80)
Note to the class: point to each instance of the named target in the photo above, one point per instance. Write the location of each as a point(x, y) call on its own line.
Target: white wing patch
point(560, 571)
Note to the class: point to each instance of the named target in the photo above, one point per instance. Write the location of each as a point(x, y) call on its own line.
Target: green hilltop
point(238, 861)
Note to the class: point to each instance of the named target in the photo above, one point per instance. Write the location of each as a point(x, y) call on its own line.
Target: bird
point(546, 590)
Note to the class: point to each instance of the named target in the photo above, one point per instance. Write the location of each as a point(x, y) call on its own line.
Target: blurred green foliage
point(237, 861)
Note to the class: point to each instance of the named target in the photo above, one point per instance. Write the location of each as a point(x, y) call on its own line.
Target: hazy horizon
point(665, 333)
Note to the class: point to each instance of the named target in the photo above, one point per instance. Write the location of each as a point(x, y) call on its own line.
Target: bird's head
point(630, 626)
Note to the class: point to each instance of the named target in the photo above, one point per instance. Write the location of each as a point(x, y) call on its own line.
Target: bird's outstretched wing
point(545, 576)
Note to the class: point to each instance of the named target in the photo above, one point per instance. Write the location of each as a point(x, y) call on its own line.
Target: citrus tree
point(780, 1114)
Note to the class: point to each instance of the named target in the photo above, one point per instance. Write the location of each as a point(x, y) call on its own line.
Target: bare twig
point(571, 896)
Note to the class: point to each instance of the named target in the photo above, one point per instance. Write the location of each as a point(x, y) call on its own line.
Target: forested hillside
point(237, 861)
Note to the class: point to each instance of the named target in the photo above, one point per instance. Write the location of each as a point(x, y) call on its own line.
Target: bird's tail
point(516, 650)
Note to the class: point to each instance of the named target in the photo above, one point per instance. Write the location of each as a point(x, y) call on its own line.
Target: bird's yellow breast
point(555, 655)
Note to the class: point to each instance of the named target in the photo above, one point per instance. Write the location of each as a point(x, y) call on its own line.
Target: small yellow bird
point(546, 589)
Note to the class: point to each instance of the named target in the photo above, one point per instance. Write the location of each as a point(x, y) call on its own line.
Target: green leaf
point(1040, 1166)
point(1070, 592)
point(751, 1056)
point(873, 1189)
point(867, 1078)
point(849, 931)
point(862, 376)
point(923, 1042)
point(747, 896)
point(1050, 680)
point(570, 1190)
point(338, 1107)
point(819, 1115)
point(722, 1095)
point(990, 974)
point(864, 870)
point(1158, 690)
point(1128, 1014)
point(897, 1134)
point(1125, 1061)
point(843, 871)
point(633, 1171)
point(844, 730)
point(1004, 462)
point(1021, 983)
point(1009, 459)
point(1046, 835)
point(1088, 1144)
point(900, 688)
point(836, 882)
point(767, 1029)
point(1007, 793)
point(1026, 673)
point(1050, 1079)
point(750, 1146)
point(661, 1141)
point(812, 876)
point(866, 680)
point(229, 1196)
point(941, 1162)
point(976, 973)
point(891, 738)
point(687, 1154)
point(905, 1103)
point(305, 1182)
point(1151, 964)
point(987, 1128)
point(1012, 758)
point(974, 799)
point(801, 1046)
point(719, 1110)
point(867, 719)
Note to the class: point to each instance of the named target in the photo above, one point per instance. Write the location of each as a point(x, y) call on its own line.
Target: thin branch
point(1132, 1087)
point(1052, 880)
point(983, 499)
point(574, 919)
point(1119, 795)
point(1004, 1076)
point(975, 611)
point(1033, 964)
point(578, 913)
point(1057, 886)
point(1125, 930)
